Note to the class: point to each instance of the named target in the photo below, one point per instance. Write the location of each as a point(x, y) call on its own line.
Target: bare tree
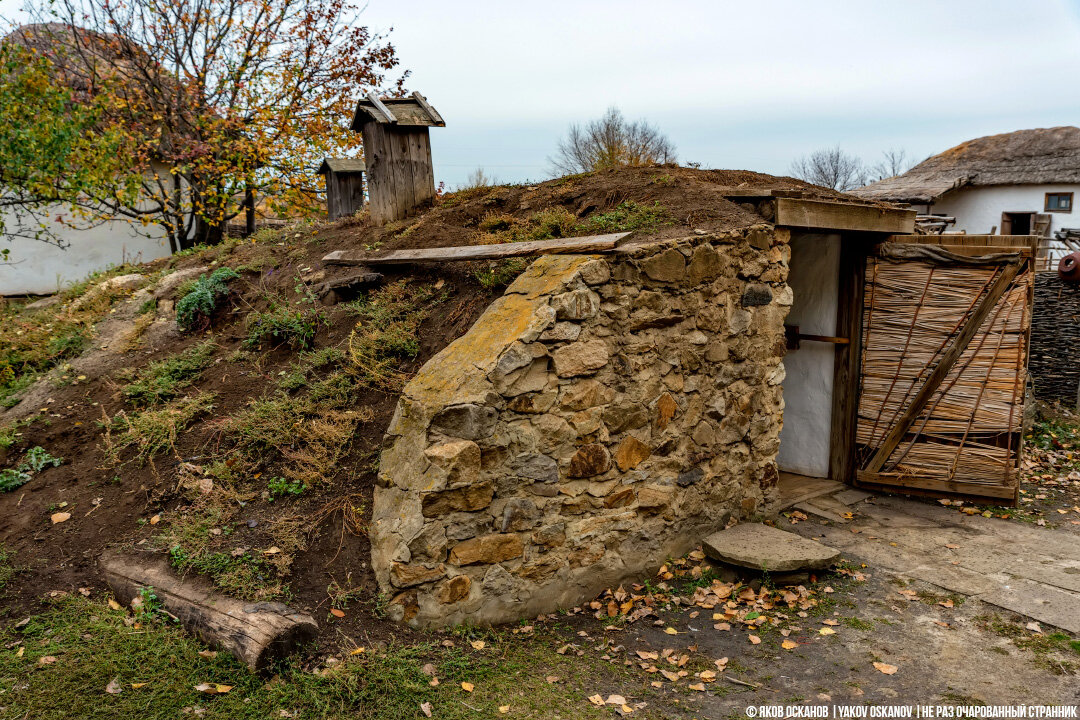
point(478, 178)
point(832, 168)
point(611, 141)
point(893, 163)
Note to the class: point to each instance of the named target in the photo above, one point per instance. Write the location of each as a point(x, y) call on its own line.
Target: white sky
point(747, 84)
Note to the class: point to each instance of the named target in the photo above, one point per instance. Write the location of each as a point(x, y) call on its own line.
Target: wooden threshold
point(561, 246)
point(832, 215)
point(922, 485)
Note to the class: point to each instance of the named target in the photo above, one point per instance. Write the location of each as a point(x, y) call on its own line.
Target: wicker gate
point(944, 359)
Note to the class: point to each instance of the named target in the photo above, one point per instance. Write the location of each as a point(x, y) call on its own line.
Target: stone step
point(765, 548)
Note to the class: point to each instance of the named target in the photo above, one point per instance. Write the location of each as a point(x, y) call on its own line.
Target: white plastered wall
point(977, 209)
point(40, 268)
point(814, 278)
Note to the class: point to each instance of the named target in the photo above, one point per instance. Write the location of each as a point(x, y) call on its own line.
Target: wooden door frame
point(847, 366)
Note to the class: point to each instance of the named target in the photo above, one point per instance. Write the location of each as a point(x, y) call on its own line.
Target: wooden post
point(847, 367)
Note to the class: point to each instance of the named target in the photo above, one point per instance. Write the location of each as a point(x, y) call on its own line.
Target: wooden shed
point(344, 186)
point(397, 151)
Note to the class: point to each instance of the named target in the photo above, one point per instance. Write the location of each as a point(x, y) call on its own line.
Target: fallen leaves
point(425, 708)
point(826, 631)
point(478, 644)
point(597, 700)
point(213, 688)
point(789, 644)
point(886, 668)
point(754, 639)
point(60, 517)
point(337, 613)
point(468, 687)
point(114, 687)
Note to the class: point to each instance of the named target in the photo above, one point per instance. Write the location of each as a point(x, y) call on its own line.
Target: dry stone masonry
point(603, 414)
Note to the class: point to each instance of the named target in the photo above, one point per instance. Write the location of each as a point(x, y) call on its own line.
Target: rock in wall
point(601, 416)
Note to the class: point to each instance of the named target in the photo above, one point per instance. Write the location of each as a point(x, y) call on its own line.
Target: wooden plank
point(374, 100)
point(561, 246)
point(737, 192)
point(936, 485)
point(831, 215)
point(432, 112)
point(941, 370)
point(846, 366)
point(954, 239)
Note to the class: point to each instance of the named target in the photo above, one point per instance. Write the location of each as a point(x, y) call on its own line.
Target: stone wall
point(601, 416)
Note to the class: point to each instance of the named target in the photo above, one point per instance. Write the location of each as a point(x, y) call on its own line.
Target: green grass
point(163, 380)
point(283, 325)
point(387, 331)
point(7, 568)
point(500, 273)
point(628, 216)
point(151, 431)
point(92, 646)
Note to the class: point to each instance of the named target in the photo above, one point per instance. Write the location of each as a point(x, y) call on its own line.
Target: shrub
point(194, 309)
point(280, 487)
point(628, 215)
point(35, 460)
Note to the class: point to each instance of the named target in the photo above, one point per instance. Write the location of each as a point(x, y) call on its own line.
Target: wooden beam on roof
point(374, 100)
point(738, 192)
point(833, 215)
point(561, 246)
point(941, 370)
point(422, 102)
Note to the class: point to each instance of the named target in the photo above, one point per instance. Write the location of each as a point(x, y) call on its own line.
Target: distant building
point(1019, 183)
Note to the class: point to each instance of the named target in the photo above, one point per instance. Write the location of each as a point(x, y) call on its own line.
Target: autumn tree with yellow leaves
point(203, 103)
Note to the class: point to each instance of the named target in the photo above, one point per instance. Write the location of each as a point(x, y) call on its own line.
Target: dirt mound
point(662, 201)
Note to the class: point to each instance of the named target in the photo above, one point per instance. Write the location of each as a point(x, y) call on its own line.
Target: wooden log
point(327, 291)
point(587, 244)
point(256, 633)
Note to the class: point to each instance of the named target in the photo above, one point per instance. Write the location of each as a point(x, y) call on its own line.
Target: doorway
point(1017, 223)
point(814, 278)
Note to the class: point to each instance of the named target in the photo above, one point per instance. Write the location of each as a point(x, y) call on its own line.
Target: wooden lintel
point(834, 215)
point(948, 359)
point(758, 193)
point(560, 246)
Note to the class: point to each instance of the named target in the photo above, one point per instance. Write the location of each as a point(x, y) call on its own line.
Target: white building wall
point(40, 268)
point(814, 278)
point(979, 208)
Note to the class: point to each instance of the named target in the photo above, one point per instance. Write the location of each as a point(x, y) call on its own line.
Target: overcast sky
point(733, 84)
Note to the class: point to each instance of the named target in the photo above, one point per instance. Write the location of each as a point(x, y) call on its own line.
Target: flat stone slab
point(761, 547)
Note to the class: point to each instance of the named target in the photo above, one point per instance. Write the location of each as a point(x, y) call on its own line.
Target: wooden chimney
point(344, 186)
point(397, 153)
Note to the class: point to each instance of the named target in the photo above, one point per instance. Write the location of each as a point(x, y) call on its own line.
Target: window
point(1059, 202)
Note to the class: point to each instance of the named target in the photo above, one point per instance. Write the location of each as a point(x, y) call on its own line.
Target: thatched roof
point(1039, 156)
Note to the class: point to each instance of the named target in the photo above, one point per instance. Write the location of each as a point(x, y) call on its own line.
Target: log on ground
point(258, 633)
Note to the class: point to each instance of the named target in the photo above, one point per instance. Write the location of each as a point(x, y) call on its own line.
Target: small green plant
point(500, 273)
point(280, 487)
point(283, 325)
point(35, 460)
point(195, 308)
point(147, 307)
point(163, 380)
point(148, 604)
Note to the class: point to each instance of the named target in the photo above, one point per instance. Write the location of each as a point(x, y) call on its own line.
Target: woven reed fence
point(1055, 340)
point(969, 430)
